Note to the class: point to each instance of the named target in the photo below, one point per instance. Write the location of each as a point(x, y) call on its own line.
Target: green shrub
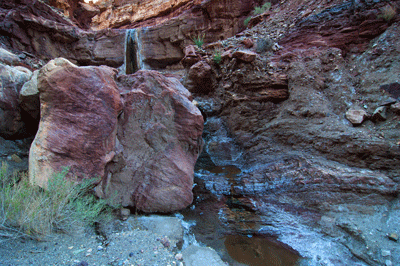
point(217, 58)
point(27, 210)
point(246, 21)
point(264, 45)
point(199, 40)
point(387, 13)
point(258, 10)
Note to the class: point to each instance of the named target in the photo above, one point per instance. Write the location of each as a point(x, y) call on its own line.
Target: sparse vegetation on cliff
point(258, 10)
point(388, 13)
point(27, 210)
point(199, 40)
point(217, 58)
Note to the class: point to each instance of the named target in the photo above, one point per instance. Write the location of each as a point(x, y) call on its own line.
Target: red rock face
point(349, 27)
point(37, 29)
point(160, 138)
point(79, 109)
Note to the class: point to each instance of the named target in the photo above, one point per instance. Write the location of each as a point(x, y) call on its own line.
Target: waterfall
point(133, 50)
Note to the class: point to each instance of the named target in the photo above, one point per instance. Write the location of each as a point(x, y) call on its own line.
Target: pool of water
point(233, 238)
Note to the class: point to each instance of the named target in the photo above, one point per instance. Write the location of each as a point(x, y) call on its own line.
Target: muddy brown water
point(233, 246)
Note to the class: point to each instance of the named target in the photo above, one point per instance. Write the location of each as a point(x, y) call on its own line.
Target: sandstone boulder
point(79, 109)
point(159, 136)
point(11, 81)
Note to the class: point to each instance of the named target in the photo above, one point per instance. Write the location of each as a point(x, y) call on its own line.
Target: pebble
point(385, 253)
point(388, 263)
point(178, 256)
point(393, 237)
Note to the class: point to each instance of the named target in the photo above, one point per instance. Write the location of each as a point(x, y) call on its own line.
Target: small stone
point(356, 115)
point(379, 114)
point(385, 253)
point(388, 263)
point(141, 251)
point(89, 250)
point(178, 256)
point(248, 43)
point(165, 242)
point(131, 254)
point(99, 248)
point(246, 56)
point(395, 107)
point(124, 212)
point(393, 237)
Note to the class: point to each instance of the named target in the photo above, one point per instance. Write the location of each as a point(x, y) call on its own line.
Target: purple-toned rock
point(79, 110)
point(159, 136)
point(246, 56)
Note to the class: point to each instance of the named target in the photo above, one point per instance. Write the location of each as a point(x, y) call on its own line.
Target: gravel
point(117, 244)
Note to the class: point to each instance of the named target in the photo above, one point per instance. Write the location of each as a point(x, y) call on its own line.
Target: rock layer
point(159, 137)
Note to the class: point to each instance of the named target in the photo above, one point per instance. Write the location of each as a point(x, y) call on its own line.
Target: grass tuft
point(258, 10)
point(199, 40)
point(28, 210)
point(217, 58)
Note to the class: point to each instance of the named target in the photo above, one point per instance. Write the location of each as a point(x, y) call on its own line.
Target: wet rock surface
point(303, 167)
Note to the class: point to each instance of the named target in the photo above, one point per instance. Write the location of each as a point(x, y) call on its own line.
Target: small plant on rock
point(258, 10)
point(217, 58)
point(246, 21)
point(199, 40)
point(388, 13)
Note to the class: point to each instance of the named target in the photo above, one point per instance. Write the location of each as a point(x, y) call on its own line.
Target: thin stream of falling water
point(133, 50)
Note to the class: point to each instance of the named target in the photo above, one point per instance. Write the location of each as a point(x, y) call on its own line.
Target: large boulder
point(11, 81)
point(160, 138)
point(79, 110)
